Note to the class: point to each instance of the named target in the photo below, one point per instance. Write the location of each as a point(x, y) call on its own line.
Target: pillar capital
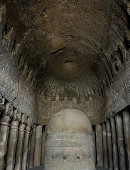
point(8, 110)
point(24, 119)
point(16, 119)
point(17, 115)
point(7, 114)
point(2, 104)
point(23, 123)
point(29, 123)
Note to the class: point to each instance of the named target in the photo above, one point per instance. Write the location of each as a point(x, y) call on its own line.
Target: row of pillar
point(113, 142)
point(37, 146)
point(18, 146)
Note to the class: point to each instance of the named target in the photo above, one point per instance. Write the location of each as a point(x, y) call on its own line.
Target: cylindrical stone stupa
point(69, 144)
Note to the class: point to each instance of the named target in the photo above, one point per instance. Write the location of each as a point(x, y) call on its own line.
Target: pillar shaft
point(37, 154)
point(18, 161)
point(26, 144)
point(29, 147)
point(109, 142)
point(99, 149)
point(12, 143)
point(105, 151)
point(44, 136)
point(114, 145)
point(32, 147)
point(4, 131)
point(120, 139)
point(94, 141)
point(42, 149)
point(126, 122)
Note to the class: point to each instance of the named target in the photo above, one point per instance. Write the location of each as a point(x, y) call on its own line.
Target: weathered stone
point(8, 40)
point(12, 83)
point(114, 144)
point(18, 159)
point(37, 153)
point(126, 125)
point(2, 20)
point(109, 143)
point(12, 142)
point(4, 131)
point(99, 145)
point(32, 147)
point(44, 138)
point(105, 147)
point(94, 142)
point(121, 142)
point(26, 143)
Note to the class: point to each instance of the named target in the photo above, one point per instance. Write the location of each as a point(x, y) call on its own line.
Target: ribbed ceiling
point(73, 48)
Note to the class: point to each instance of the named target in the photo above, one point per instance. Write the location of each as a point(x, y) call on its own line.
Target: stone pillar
point(43, 145)
point(109, 143)
point(32, 147)
point(105, 152)
point(13, 136)
point(114, 144)
point(126, 120)
point(37, 154)
point(29, 143)
point(26, 143)
point(99, 146)
point(94, 141)
point(20, 143)
point(4, 131)
point(120, 139)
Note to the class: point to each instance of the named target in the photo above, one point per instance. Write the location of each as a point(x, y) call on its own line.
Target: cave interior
point(64, 84)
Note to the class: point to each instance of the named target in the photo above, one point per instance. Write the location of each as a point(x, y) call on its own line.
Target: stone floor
point(41, 168)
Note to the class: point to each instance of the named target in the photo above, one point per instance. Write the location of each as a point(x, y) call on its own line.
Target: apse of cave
point(64, 85)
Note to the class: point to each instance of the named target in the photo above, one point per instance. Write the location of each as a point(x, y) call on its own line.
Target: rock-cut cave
point(64, 85)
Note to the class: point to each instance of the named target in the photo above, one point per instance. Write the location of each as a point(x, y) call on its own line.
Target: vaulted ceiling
point(73, 48)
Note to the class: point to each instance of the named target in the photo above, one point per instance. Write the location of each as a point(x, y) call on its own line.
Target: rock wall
point(46, 108)
point(118, 94)
point(14, 86)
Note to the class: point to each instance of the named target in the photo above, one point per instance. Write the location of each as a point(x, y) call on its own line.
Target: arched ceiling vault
point(71, 48)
